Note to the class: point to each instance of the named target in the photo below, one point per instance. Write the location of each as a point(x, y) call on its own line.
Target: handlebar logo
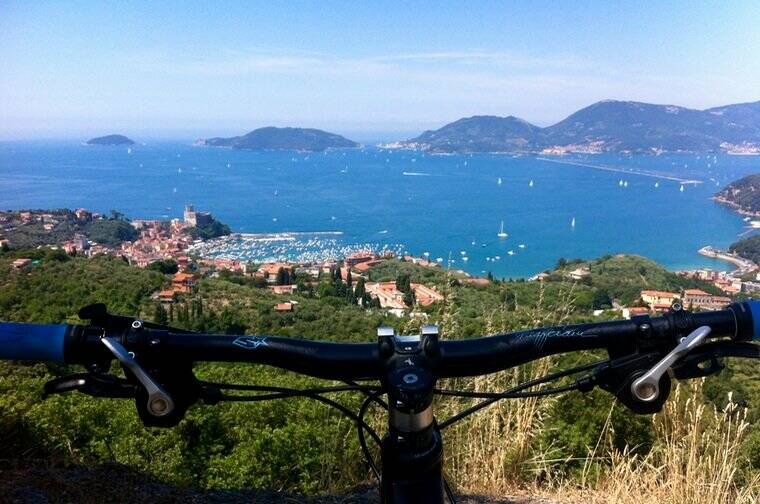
point(250, 342)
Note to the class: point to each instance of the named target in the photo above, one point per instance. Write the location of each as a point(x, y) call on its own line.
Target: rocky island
point(271, 138)
point(606, 126)
point(111, 140)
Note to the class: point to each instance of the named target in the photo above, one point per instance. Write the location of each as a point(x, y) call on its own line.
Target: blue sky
point(189, 69)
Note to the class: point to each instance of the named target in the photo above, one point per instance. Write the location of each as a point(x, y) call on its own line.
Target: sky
point(366, 69)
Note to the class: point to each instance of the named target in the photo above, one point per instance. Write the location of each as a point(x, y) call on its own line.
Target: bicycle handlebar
point(32, 341)
point(351, 361)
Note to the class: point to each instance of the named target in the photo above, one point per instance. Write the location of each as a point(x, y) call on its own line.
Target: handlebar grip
point(40, 342)
point(754, 309)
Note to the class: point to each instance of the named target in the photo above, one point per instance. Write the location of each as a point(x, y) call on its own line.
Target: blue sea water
point(443, 205)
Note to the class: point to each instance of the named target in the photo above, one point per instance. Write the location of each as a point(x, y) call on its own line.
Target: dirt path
point(115, 483)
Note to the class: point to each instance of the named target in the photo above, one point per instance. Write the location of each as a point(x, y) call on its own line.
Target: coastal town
point(173, 243)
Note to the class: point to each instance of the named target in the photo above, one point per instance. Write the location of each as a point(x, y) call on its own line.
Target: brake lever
point(160, 403)
point(646, 388)
point(693, 365)
point(96, 385)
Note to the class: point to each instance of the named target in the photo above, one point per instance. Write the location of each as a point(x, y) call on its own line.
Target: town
point(168, 246)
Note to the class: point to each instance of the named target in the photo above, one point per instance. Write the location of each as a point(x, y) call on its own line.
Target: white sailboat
point(657, 184)
point(625, 184)
point(620, 182)
point(572, 222)
point(498, 181)
point(530, 184)
point(501, 233)
point(681, 188)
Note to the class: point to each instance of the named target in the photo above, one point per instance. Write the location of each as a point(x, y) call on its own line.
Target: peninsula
point(605, 126)
point(742, 195)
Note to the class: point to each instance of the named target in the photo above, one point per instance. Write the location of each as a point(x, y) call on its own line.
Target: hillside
point(606, 126)
point(271, 138)
point(111, 140)
point(743, 195)
point(297, 446)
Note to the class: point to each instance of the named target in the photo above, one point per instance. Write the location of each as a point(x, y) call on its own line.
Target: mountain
point(110, 140)
point(606, 126)
point(271, 138)
point(742, 195)
point(480, 134)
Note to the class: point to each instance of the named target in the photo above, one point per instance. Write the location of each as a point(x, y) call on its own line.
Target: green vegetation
point(749, 248)
point(65, 225)
point(742, 194)
point(299, 445)
point(213, 229)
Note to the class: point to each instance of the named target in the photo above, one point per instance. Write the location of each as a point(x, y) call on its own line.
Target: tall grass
point(695, 457)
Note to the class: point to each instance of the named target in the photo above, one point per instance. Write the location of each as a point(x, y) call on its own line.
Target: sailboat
point(681, 188)
point(620, 183)
point(530, 184)
point(501, 233)
point(572, 222)
point(498, 181)
point(657, 184)
point(625, 184)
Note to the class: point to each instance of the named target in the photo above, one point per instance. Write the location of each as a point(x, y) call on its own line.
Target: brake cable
point(372, 395)
point(515, 392)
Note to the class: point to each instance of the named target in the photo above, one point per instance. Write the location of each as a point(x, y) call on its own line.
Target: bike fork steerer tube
point(412, 450)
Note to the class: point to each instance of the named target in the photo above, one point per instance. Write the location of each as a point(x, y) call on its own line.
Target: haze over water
point(406, 200)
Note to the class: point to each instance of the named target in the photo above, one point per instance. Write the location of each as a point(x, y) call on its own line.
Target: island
point(606, 126)
point(111, 140)
point(272, 138)
point(742, 195)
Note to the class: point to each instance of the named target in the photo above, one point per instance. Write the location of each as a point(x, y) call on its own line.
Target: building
point(387, 293)
point(20, 263)
point(82, 214)
point(476, 281)
point(424, 295)
point(283, 289)
point(659, 300)
point(579, 273)
point(363, 267)
point(283, 307)
point(697, 298)
point(269, 270)
point(358, 258)
point(193, 218)
point(183, 282)
point(633, 311)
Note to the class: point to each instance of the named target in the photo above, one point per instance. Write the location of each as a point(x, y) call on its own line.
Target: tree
point(601, 300)
point(403, 283)
point(360, 289)
point(283, 277)
point(160, 316)
point(349, 280)
point(561, 263)
point(409, 298)
point(167, 267)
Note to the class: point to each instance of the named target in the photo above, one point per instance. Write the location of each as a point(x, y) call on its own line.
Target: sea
point(448, 208)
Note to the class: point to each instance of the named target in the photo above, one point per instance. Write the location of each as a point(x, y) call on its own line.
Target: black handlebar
point(355, 361)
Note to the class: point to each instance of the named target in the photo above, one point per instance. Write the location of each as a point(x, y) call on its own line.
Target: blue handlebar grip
point(754, 308)
point(42, 342)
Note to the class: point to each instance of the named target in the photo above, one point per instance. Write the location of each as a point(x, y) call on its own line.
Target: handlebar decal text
point(250, 342)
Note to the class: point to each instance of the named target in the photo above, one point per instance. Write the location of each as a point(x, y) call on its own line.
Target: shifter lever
point(159, 402)
point(647, 387)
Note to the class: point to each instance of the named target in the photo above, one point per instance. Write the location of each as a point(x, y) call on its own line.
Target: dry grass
point(695, 458)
